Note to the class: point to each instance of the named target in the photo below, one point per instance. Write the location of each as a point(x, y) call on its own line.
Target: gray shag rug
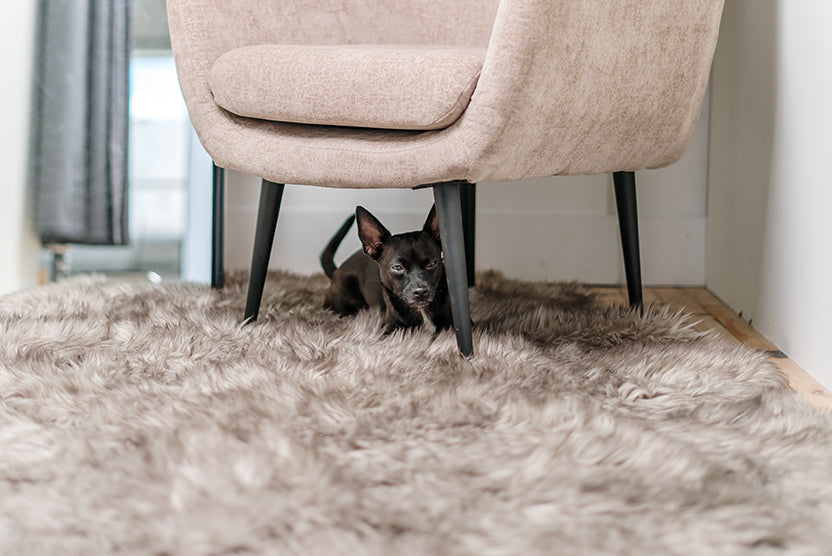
point(144, 419)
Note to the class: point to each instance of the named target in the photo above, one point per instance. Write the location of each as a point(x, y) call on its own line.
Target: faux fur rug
point(140, 418)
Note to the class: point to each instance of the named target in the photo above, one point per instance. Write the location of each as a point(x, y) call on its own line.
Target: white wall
point(769, 245)
point(558, 228)
point(19, 248)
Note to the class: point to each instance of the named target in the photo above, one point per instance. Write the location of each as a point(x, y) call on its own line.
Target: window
point(160, 138)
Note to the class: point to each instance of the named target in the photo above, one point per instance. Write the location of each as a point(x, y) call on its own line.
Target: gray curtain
point(80, 151)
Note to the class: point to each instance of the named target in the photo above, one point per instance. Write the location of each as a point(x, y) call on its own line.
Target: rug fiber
point(144, 419)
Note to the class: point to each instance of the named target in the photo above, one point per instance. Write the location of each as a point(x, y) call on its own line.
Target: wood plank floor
point(715, 315)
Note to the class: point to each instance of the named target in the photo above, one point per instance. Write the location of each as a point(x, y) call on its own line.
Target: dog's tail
point(328, 254)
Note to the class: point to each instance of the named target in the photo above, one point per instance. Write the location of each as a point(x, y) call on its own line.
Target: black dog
point(402, 275)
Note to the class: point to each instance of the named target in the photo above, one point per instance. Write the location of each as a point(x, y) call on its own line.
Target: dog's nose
point(420, 294)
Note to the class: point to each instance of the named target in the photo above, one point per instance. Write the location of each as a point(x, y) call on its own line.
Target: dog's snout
point(419, 295)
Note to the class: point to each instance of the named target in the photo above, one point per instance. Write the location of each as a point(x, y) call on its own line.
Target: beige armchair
point(394, 93)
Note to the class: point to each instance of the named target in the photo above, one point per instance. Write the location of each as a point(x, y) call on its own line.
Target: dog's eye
point(397, 268)
point(431, 264)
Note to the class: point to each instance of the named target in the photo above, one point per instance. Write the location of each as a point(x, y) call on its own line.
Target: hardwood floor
point(715, 315)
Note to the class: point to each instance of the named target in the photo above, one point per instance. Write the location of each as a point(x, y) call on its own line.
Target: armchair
point(394, 93)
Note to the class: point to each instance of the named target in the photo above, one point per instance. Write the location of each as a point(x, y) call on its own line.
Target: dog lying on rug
point(401, 275)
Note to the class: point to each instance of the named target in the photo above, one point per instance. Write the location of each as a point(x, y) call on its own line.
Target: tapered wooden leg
point(270, 196)
point(469, 226)
point(625, 199)
point(218, 228)
point(449, 213)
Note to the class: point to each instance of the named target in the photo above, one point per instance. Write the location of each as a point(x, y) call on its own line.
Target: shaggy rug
point(141, 418)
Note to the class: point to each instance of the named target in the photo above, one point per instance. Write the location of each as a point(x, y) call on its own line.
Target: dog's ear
point(432, 224)
point(371, 232)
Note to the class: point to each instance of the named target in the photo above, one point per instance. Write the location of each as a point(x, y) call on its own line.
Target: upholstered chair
point(416, 93)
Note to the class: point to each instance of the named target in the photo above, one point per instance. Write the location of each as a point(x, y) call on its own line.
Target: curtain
point(81, 121)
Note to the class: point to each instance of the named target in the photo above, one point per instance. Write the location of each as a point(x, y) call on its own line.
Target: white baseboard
point(530, 246)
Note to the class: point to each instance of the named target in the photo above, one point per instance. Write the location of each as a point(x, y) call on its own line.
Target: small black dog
point(402, 275)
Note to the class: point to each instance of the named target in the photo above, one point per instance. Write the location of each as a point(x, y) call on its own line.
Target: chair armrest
point(582, 86)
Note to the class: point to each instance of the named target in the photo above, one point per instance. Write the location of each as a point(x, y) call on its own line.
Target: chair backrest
point(217, 26)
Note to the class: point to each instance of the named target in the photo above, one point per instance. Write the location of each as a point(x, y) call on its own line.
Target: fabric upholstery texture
point(567, 87)
point(414, 87)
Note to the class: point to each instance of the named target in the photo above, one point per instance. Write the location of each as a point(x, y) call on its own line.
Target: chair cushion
point(379, 86)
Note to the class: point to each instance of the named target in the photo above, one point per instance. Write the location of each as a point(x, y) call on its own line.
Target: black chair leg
point(270, 196)
point(218, 228)
point(449, 211)
point(469, 226)
point(625, 200)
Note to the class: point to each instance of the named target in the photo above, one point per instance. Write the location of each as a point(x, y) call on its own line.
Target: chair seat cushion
point(411, 87)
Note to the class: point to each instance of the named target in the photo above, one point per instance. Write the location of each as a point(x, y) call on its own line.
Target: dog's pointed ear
point(432, 224)
point(371, 232)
